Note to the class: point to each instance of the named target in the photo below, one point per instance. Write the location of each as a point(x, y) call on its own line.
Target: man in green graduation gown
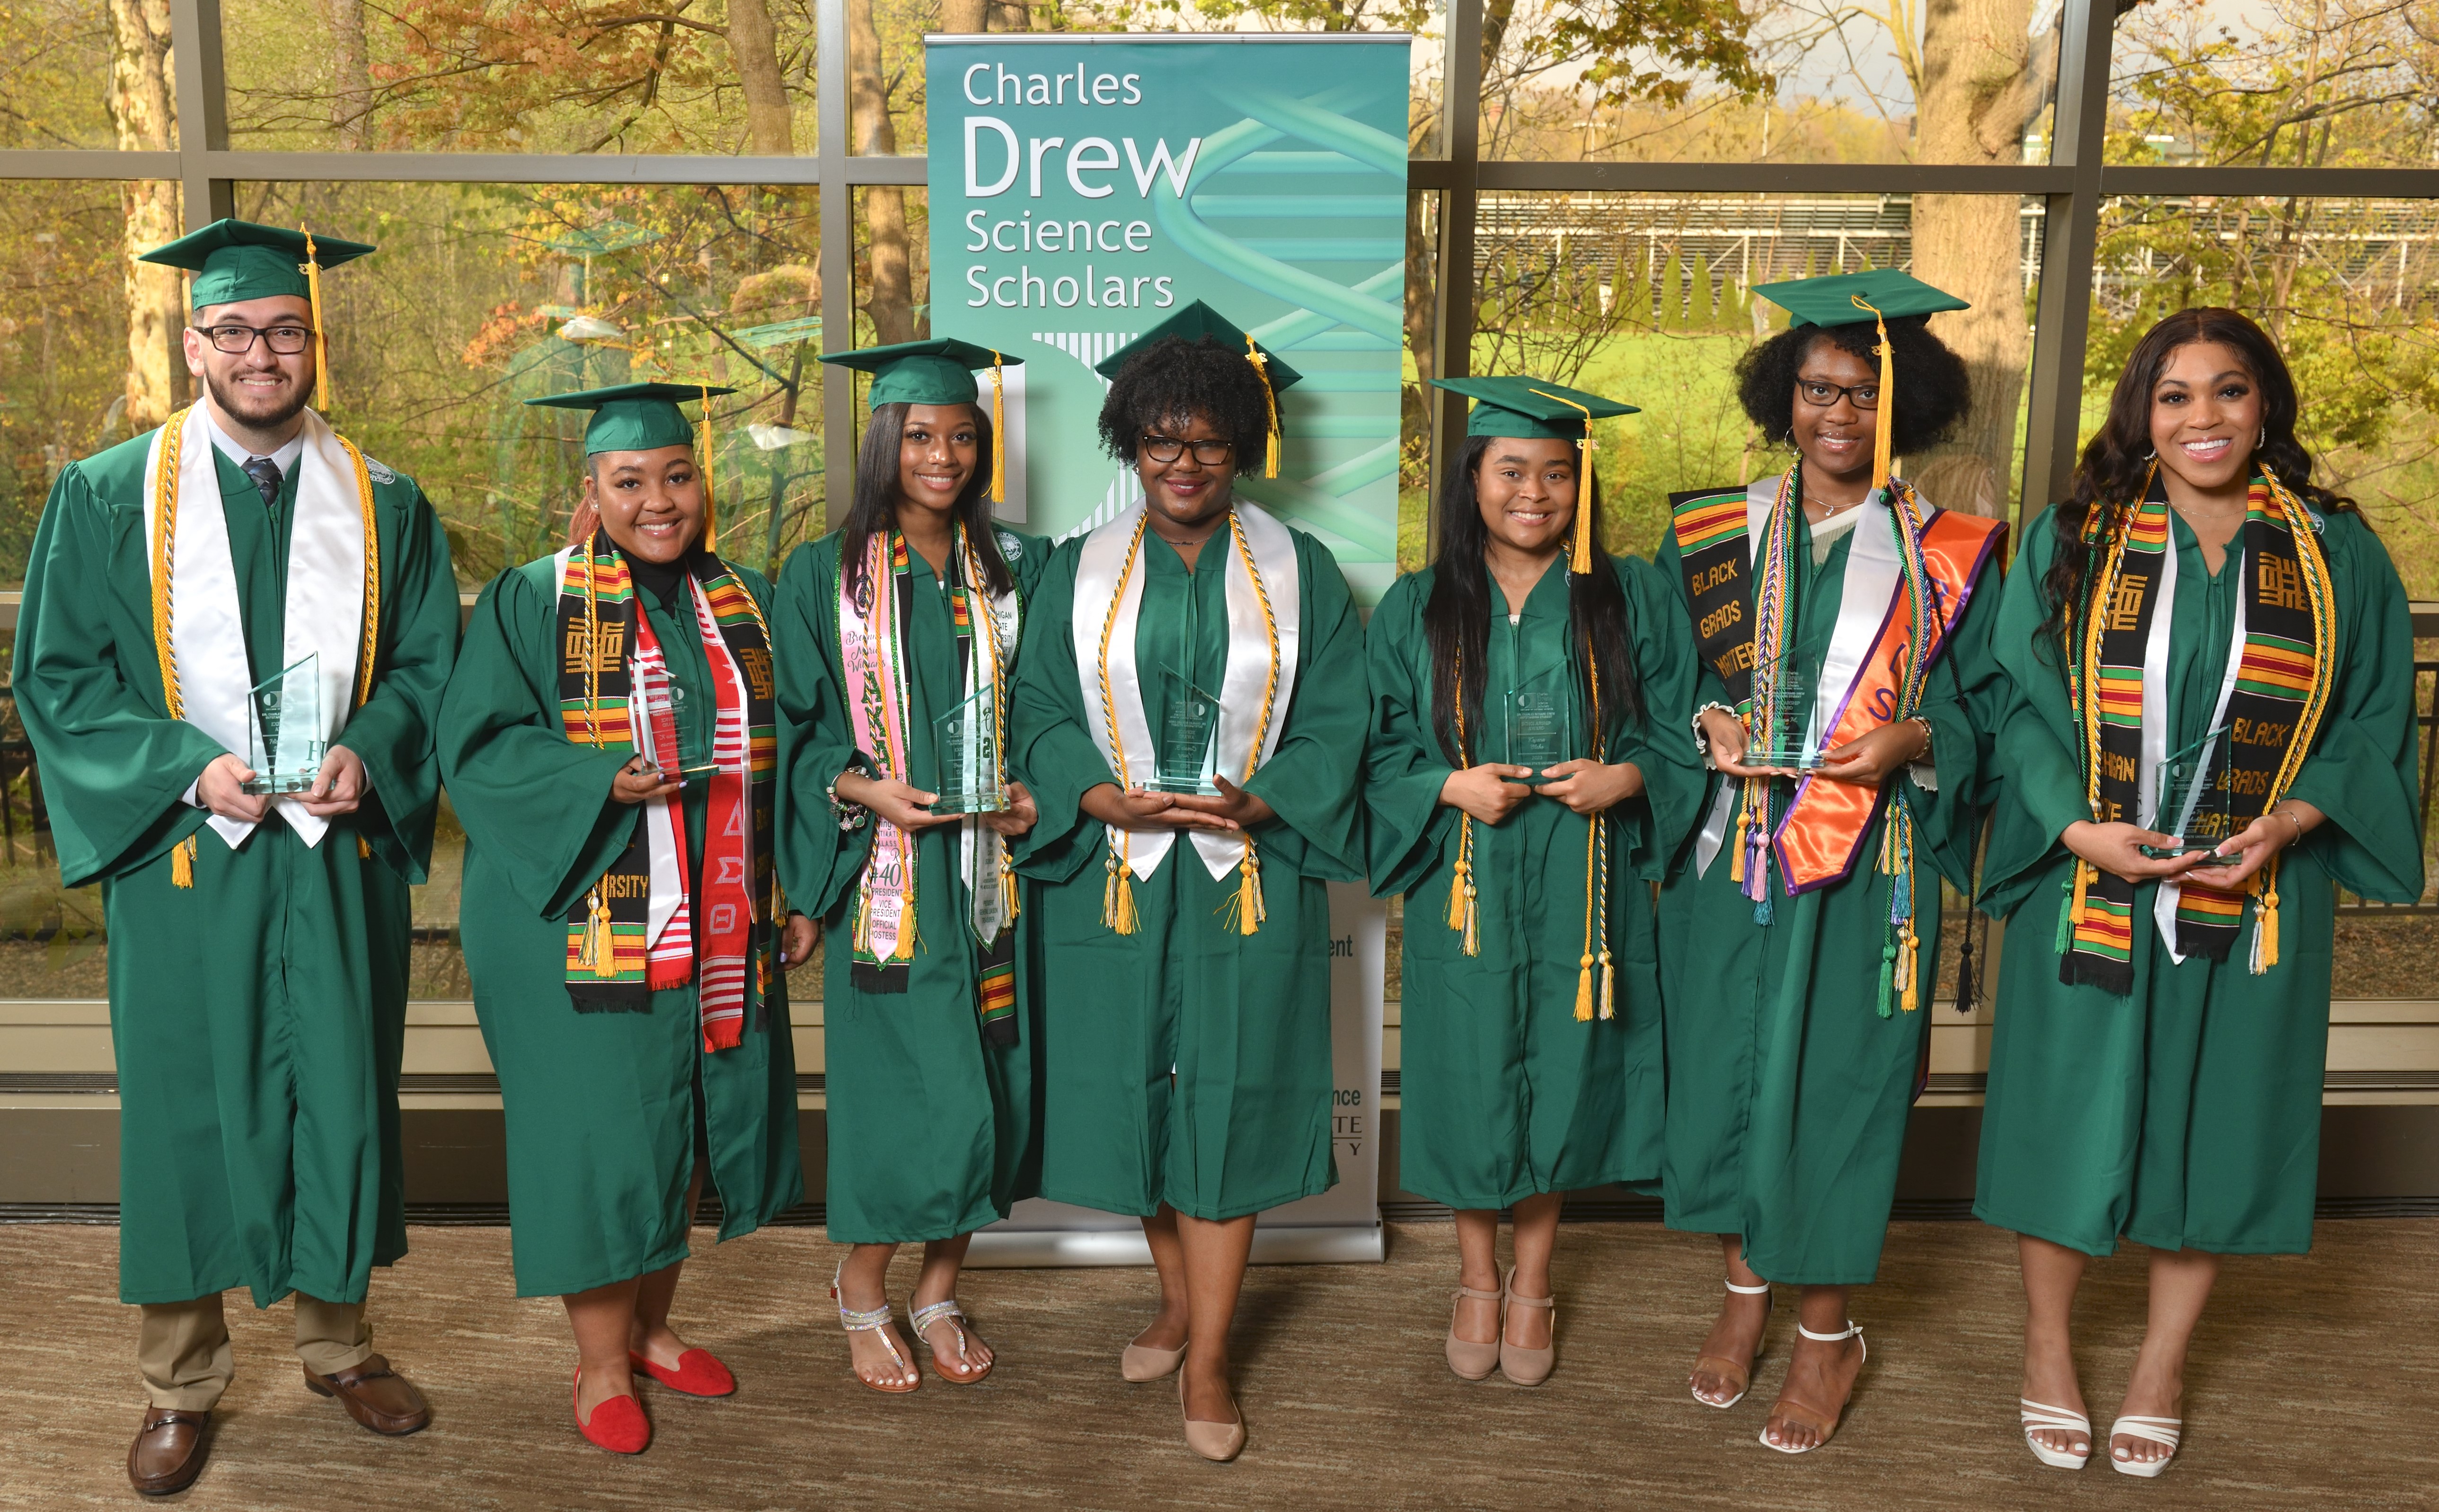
point(257, 973)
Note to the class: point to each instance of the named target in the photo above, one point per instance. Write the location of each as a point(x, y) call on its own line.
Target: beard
point(263, 412)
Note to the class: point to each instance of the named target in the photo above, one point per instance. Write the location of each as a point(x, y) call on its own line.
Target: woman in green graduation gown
point(2156, 1071)
point(609, 743)
point(906, 617)
point(1192, 642)
point(1531, 1045)
point(1838, 612)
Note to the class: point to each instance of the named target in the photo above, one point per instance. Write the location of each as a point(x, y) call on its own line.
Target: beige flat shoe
point(1141, 1363)
point(1527, 1367)
point(1469, 1360)
point(1221, 1442)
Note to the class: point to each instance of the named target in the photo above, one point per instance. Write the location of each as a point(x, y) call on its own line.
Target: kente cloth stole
point(1871, 675)
point(1264, 593)
point(875, 626)
point(639, 930)
point(332, 607)
point(2271, 701)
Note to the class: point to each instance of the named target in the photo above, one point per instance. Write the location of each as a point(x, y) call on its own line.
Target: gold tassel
point(1582, 559)
point(1885, 422)
point(601, 946)
point(1463, 905)
point(999, 431)
point(1009, 903)
point(1246, 911)
point(1271, 399)
point(2265, 921)
point(312, 269)
point(1584, 990)
point(1608, 987)
point(364, 848)
point(1736, 857)
point(182, 863)
point(1118, 897)
point(2083, 873)
point(1908, 944)
point(710, 517)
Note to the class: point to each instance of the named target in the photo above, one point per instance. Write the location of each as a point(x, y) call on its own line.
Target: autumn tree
point(143, 111)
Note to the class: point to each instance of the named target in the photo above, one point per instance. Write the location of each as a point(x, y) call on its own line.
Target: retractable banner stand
point(1081, 189)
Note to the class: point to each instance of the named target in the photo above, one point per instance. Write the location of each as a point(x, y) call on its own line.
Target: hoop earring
point(2263, 440)
point(2152, 455)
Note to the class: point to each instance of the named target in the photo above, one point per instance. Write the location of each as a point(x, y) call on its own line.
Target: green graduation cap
point(1196, 321)
point(633, 416)
point(1832, 300)
point(1531, 406)
point(940, 371)
point(238, 259)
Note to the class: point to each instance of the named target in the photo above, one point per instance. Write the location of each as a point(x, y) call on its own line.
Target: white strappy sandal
point(1796, 1410)
point(1719, 1365)
point(2158, 1430)
point(955, 1316)
point(2039, 1417)
point(875, 1321)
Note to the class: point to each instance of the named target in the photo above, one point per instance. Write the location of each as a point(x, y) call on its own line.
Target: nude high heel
point(1469, 1360)
point(1729, 1369)
point(1527, 1367)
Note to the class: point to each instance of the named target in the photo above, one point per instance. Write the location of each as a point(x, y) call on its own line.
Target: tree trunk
point(144, 111)
point(964, 18)
point(889, 297)
point(1415, 402)
point(351, 108)
point(1983, 84)
point(753, 42)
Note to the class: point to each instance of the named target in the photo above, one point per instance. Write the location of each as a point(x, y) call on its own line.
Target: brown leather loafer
point(170, 1449)
point(375, 1395)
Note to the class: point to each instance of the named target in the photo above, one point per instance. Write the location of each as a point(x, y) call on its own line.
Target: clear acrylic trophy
point(2197, 803)
point(1536, 726)
point(965, 742)
point(1788, 743)
point(1189, 734)
point(286, 747)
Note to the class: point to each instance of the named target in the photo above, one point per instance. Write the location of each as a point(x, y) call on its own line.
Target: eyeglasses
point(1168, 449)
point(1821, 396)
point(239, 340)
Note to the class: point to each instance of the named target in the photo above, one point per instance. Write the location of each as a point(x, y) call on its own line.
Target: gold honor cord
point(165, 530)
point(1595, 886)
point(1582, 560)
point(1270, 400)
point(2317, 589)
point(1462, 893)
point(1117, 891)
point(1884, 420)
point(312, 269)
point(1249, 911)
point(999, 431)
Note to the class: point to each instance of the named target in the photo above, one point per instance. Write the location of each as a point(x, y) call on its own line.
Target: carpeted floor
point(2303, 1381)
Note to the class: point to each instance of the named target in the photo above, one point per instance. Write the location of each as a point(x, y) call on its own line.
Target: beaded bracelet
point(851, 814)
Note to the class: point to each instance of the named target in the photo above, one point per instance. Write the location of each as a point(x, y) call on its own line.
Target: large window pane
point(885, 47)
point(2346, 286)
point(55, 67)
point(524, 75)
point(1647, 298)
point(1784, 82)
point(2302, 83)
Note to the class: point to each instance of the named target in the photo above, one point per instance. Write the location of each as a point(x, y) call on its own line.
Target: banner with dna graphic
point(1082, 186)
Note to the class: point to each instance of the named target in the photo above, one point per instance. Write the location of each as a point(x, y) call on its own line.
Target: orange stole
point(1823, 831)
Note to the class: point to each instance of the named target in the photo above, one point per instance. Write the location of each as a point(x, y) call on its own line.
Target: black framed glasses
point(1168, 449)
point(239, 340)
point(1821, 396)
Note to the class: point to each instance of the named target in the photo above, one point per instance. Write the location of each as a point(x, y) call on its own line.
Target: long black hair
point(2119, 458)
point(1456, 617)
point(875, 498)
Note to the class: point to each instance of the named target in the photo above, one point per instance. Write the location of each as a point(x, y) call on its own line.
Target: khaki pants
point(184, 1347)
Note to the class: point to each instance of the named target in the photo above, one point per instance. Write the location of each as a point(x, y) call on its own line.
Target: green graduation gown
point(258, 1016)
point(1787, 1093)
point(1506, 1095)
point(1187, 1063)
point(930, 1127)
point(2186, 1114)
point(607, 1112)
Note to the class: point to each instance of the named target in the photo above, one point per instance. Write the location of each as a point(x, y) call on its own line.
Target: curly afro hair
point(1932, 390)
point(1175, 379)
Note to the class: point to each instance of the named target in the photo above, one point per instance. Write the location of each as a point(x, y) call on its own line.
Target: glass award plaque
point(1189, 739)
point(287, 747)
point(2196, 803)
point(1536, 726)
point(964, 742)
point(1788, 743)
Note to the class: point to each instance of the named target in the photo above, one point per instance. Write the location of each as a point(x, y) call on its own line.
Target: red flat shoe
point(618, 1424)
point(699, 1374)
